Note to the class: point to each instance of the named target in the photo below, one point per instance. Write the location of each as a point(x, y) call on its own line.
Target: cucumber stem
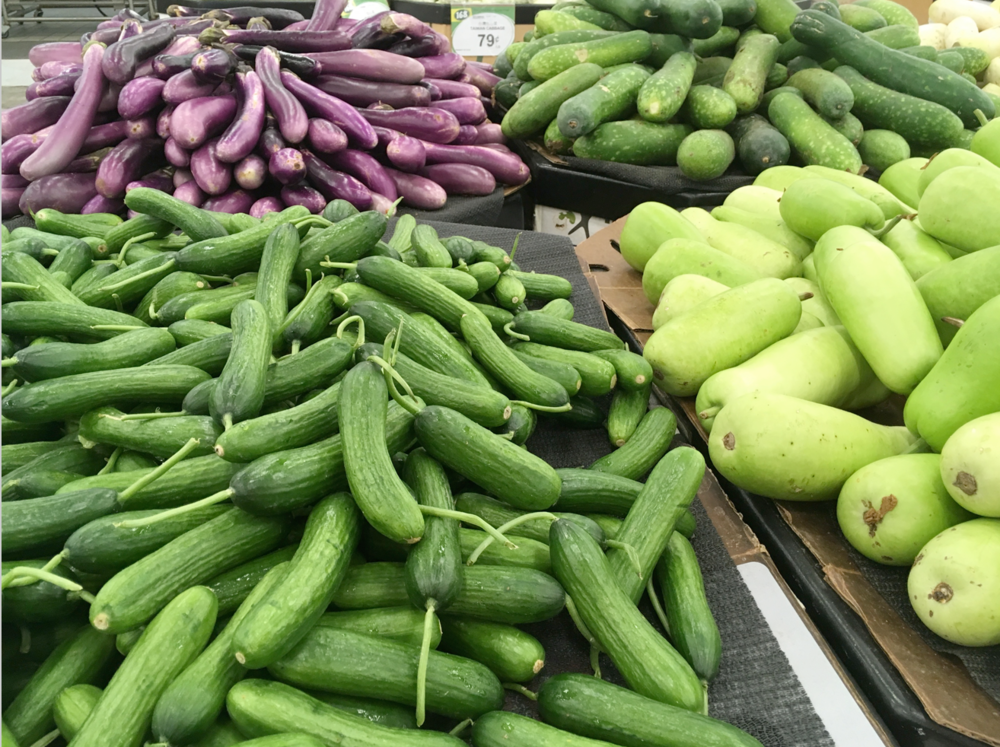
point(48, 568)
point(10, 285)
point(460, 727)
point(168, 265)
point(654, 600)
point(361, 329)
point(9, 388)
point(629, 550)
point(516, 521)
point(515, 687)
point(508, 328)
point(425, 653)
point(224, 279)
point(118, 303)
point(297, 311)
point(542, 408)
point(296, 345)
point(116, 327)
point(23, 571)
point(8, 362)
point(47, 739)
point(145, 415)
point(595, 659)
point(125, 247)
point(578, 621)
point(112, 460)
point(953, 321)
point(462, 516)
point(222, 495)
point(513, 251)
point(25, 646)
point(309, 279)
point(339, 265)
point(131, 490)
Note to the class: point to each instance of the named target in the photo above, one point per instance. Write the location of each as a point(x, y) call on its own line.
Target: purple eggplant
point(57, 67)
point(302, 65)
point(213, 64)
point(128, 29)
point(213, 176)
point(507, 168)
point(86, 164)
point(326, 137)
point(194, 29)
point(443, 66)
point(467, 135)
point(61, 85)
point(418, 192)
point(163, 122)
point(432, 125)
point(461, 178)
point(102, 204)
point(326, 15)
point(124, 164)
point(123, 57)
point(29, 118)
point(382, 204)
point(368, 30)
point(453, 89)
point(484, 80)
point(403, 23)
point(369, 64)
point(10, 199)
point(490, 133)
point(158, 180)
point(335, 185)
point(181, 176)
point(234, 201)
point(250, 172)
point(140, 129)
point(241, 136)
point(467, 111)
point(165, 66)
point(109, 98)
point(366, 92)
point(196, 120)
point(67, 193)
point(140, 96)
point(14, 151)
point(185, 86)
point(304, 195)
point(104, 36)
point(266, 205)
point(286, 41)
point(270, 139)
point(435, 91)
point(64, 142)
point(37, 76)
point(181, 47)
point(364, 168)
point(286, 108)
point(55, 52)
point(111, 23)
point(279, 18)
point(332, 109)
point(427, 45)
point(287, 166)
point(13, 181)
point(190, 193)
point(406, 153)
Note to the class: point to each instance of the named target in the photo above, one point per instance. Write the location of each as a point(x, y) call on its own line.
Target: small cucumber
point(38, 284)
point(880, 149)
point(310, 320)
point(133, 460)
point(706, 154)
point(613, 97)
point(177, 308)
point(815, 141)
point(533, 111)
point(455, 280)
point(646, 447)
point(509, 292)
point(210, 354)
point(135, 227)
point(42, 482)
point(189, 331)
point(346, 241)
point(68, 320)
point(662, 94)
point(193, 221)
point(628, 407)
point(510, 653)
point(97, 225)
point(521, 424)
point(633, 371)
point(338, 210)
point(707, 107)
point(498, 318)
point(828, 94)
point(555, 21)
point(129, 284)
point(281, 251)
point(160, 437)
point(759, 145)
point(746, 78)
point(543, 287)
point(850, 127)
point(500, 728)
point(173, 285)
point(234, 586)
point(239, 391)
point(559, 307)
point(565, 374)
point(597, 375)
point(428, 248)
point(584, 414)
point(65, 458)
point(403, 624)
point(629, 46)
point(546, 329)
point(862, 18)
point(71, 708)
point(632, 141)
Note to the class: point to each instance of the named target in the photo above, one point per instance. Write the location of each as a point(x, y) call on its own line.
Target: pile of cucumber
point(286, 445)
point(702, 83)
point(814, 294)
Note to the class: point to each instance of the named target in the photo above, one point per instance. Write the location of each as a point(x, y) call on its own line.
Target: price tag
point(366, 9)
point(482, 30)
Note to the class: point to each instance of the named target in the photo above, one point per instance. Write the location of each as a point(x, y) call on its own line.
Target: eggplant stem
point(425, 653)
point(515, 522)
point(112, 461)
point(158, 472)
point(220, 497)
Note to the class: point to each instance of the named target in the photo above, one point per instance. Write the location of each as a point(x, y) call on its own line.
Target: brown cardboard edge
point(943, 686)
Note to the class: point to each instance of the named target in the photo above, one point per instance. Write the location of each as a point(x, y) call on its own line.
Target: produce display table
point(929, 692)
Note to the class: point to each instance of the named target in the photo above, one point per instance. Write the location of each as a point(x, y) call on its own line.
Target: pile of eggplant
point(251, 110)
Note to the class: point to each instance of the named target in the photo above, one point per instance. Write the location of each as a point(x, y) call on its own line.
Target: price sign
point(482, 30)
point(366, 9)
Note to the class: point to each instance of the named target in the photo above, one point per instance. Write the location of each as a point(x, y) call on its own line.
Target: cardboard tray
point(926, 698)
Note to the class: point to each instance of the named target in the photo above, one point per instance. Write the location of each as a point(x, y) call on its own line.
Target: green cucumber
point(720, 42)
point(880, 149)
point(597, 375)
point(134, 595)
point(310, 320)
point(220, 308)
point(160, 437)
point(403, 624)
point(133, 460)
point(193, 221)
point(189, 331)
point(34, 318)
point(167, 646)
point(66, 458)
point(707, 107)
point(628, 407)
point(73, 395)
point(133, 228)
point(455, 280)
point(382, 496)
point(50, 220)
point(777, 77)
point(850, 127)
point(543, 287)
point(634, 142)
point(177, 308)
point(338, 210)
point(692, 627)
point(699, 19)
point(706, 154)
point(559, 307)
point(287, 612)
point(19, 433)
point(554, 21)
point(500, 728)
point(633, 371)
point(239, 391)
point(498, 318)
point(666, 46)
point(346, 241)
point(598, 709)
point(746, 77)
point(893, 12)
point(18, 455)
point(828, 94)
point(815, 141)
point(565, 374)
point(39, 602)
point(976, 61)
point(496, 513)
point(234, 586)
point(510, 653)
point(546, 329)
point(38, 284)
point(129, 284)
point(77, 660)
point(644, 449)
point(521, 424)
point(584, 414)
point(262, 707)
point(512, 474)
point(529, 553)
point(606, 21)
point(39, 483)
point(896, 36)
point(533, 111)
point(862, 18)
point(428, 248)
point(173, 285)
point(71, 708)
point(509, 292)
point(613, 97)
point(281, 251)
point(210, 354)
point(630, 46)
point(647, 662)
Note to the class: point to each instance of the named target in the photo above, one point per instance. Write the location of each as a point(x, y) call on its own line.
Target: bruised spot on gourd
point(966, 483)
point(873, 516)
point(729, 441)
point(581, 55)
point(942, 593)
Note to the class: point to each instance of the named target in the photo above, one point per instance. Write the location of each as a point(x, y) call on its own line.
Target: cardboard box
point(942, 684)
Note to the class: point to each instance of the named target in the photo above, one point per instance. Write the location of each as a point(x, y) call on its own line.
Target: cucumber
point(379, 712)
point(553, 21)
point(261, 707)
point(43, 524)
point(40, 602)
point(546, 329)
point(584, 414)
point(210, 354)
point(71, 708)
point(565, 374)
point(976, 61)
point(543, 287)
point(19, 433)
point(892, 12)
point(737, 12)
point(815, 141)
point(338, 210)
point(193, 221)
point(310, 320)
point(549, 40)
point(55, 359)
point(509, 472)
point(664, 47)
point(403, 624)
point(627, 410)
point(671, 487)
point(17, 455)
point(613, 97)
point(862, 18)
point(606, 21)
point(285, 615)
point(952, 61)
point(383, 498)
point(166, 647)
point(160, 437)
point(173, 285)
point(239, 391)
point(500, 728)
point(286, 480)
point(850, 127)
point(746, 77)
point(880, 149)
point(39, 483)
point(692, 627)
point(509, 292)
point(281, 251)
point(597, 375)
point(78, 226)
point(348, 294)
point(511, 654)
point(630, 46)
point(721, 41)
point(598, 709)
point(346, 241)
point(217, 302)
point(134, 595)
point(777, 77)
point(707, 107)
point(795, 65)
point(193, 701)
point(189, 331)
point(521, 424)
point(529, 553)
point(644, 449)
point(133, 460)
point(896, 36)
point(828, 94)
point(647, 662)
point(102, 547)
point(498, 318)
point(77, 660)
point(34, 318)
point(486, 273)
point(73, 395)
point(350, 663)
point(68, 458)
point(533, 111)
point(133, 228)
point(20, 268)
point(497, 513)
point(129, 284)
point(560, 308)
point(759, 145)
point(234, 586)
point(428, 248)
point(634, 142)
point(455, 280)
